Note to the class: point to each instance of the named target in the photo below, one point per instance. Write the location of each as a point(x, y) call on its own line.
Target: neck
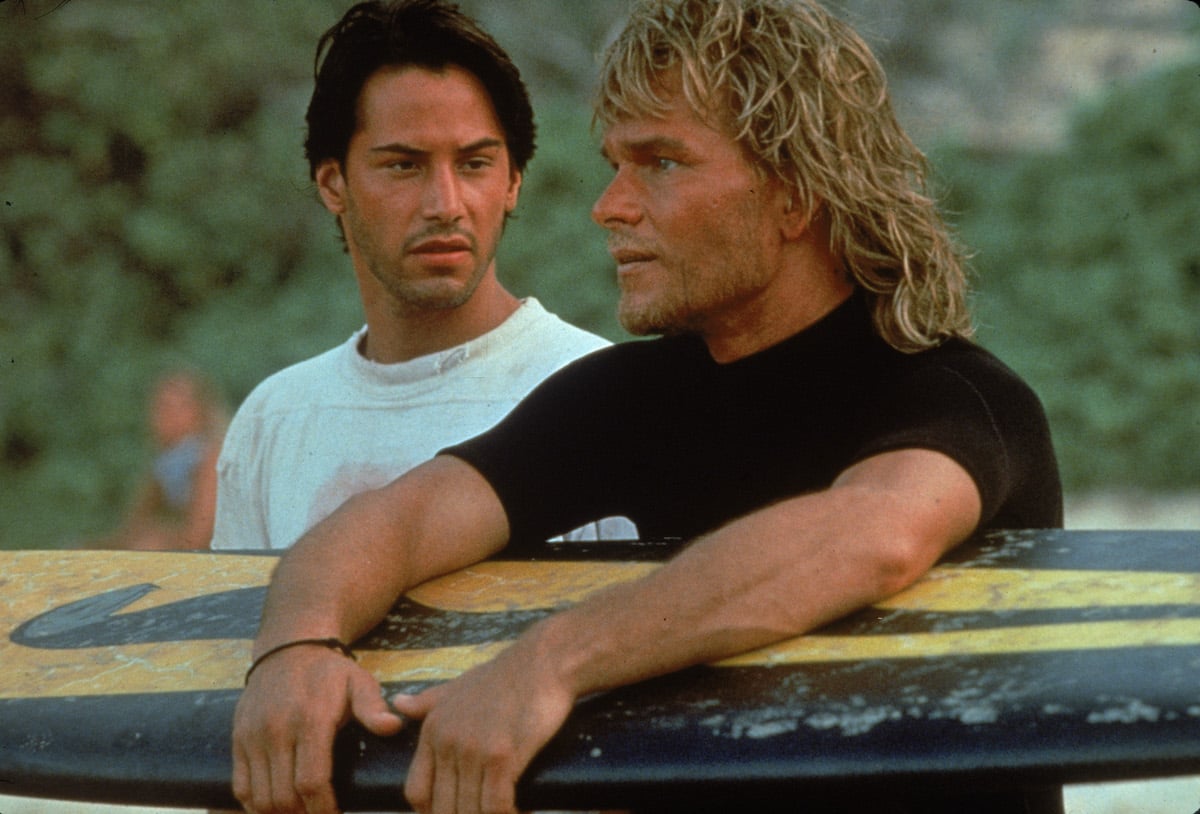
point(397, 333)
point(809, 285)
point(733, 342)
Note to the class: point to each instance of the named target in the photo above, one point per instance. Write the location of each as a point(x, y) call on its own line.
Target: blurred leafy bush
point(1089, 284)
point(155, 211)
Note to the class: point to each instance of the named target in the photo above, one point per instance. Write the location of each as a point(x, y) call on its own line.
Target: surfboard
point(1023, 658)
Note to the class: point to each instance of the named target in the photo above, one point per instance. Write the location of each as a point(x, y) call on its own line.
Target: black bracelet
point(332, 644)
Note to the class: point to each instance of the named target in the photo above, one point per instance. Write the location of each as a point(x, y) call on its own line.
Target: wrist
point(330, 643)
point(555, 653)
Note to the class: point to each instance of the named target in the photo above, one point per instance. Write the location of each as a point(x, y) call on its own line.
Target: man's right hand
point(285, 723)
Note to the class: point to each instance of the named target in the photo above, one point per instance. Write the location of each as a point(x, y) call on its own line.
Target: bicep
point(457, 517)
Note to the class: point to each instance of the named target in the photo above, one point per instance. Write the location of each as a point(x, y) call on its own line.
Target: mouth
point(442, 246)
point(629, 258)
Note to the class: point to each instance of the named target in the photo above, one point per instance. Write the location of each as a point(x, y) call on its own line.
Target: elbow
point(897, 548)
point(897, 561)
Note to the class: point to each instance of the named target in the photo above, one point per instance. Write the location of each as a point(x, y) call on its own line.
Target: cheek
point(717, 226)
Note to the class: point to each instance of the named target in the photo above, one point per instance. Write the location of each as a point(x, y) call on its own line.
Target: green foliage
point(552, 249)
point(1090, 280)
point(152, 190)
point(155, 211)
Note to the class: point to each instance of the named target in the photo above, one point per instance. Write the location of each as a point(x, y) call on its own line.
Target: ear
point(798, 215)
point(514, 191)
point(331, 184)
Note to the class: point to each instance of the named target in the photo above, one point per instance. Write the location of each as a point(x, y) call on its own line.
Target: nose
point(617, 204)
point(442, 199)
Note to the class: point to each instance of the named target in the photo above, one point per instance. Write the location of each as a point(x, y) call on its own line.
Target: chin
point(649, 322)
point(436, 295)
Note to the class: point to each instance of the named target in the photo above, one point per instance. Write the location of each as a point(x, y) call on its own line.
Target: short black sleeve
point(554, 461)
point(963, 402)
point(658, 432)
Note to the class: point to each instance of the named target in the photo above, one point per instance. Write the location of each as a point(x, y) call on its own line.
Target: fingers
point(447, 779)
point(262, 778)
point(446, 790)
point(312, 775)
point(285, 770)
point(241, 773)
point(497, 790)
point(459, 767)
point(418, 706)
point(285, 725)
point(369, 708)
point(419, 784)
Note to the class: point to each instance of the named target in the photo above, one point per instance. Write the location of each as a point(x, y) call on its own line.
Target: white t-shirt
point(312, 435)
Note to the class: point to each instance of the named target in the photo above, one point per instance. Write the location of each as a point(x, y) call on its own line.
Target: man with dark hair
point(814, 418)
point(419, 131)
point(427, 34)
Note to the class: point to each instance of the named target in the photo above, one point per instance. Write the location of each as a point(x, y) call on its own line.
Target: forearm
point(771, 575)
point(719, 597)
point(332, 584)
point(336, 579)
point(343, 576)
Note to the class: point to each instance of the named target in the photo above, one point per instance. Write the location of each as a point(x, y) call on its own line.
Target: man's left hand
point(480, 732)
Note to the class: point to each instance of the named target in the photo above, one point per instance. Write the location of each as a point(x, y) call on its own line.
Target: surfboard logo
point(97, 621)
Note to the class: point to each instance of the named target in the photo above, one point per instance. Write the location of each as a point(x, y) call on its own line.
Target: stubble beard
point(663, 313)
point(690, 300)
point(648, 319)
point(427, 295)
point(422, 293)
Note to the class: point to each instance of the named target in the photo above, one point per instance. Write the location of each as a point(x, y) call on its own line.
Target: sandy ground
point(1168, 796)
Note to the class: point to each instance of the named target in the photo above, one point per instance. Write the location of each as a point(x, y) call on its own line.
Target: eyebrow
point(488, 143)
point(650, 144)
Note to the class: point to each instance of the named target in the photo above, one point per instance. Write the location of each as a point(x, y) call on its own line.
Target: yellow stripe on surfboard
point(514, 586)
point(497, 586)
point(33, 583)
point(951, 589)
point(446, 663)
point(817, 648)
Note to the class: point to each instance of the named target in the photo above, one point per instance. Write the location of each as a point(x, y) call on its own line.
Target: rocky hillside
point(1006, 74)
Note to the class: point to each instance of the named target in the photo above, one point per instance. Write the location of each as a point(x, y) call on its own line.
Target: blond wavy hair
point(802, 93)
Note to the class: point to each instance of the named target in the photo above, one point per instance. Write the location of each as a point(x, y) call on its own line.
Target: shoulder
point(961, 400)
point(637, 359)
point(297, 386)
point(546, 333)
point(963, 366)
point(957, 398)
point(297, 381)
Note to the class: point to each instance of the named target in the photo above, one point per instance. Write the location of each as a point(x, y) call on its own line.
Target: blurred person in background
point(175, 503)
